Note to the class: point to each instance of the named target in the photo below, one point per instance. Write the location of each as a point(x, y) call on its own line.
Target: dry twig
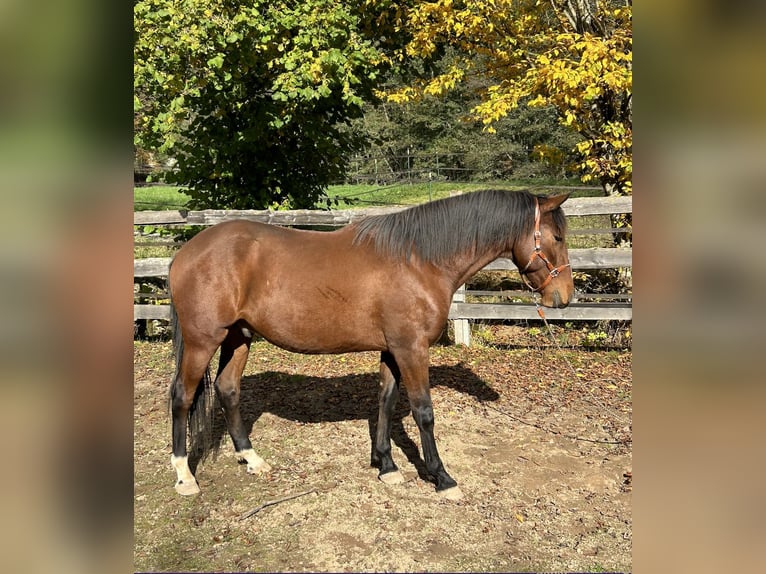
point(268, 503)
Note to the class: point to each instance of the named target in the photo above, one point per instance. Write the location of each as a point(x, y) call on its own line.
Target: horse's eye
point(558, 238)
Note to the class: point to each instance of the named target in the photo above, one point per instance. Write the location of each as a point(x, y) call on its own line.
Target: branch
point(257, 509)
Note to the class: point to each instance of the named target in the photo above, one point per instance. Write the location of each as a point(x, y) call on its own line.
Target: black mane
point(439, 230)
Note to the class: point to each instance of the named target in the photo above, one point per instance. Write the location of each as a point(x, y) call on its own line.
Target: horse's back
point(234, 254)
point(292, 287)
point(213, 251)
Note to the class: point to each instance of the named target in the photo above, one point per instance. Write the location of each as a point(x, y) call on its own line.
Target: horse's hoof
point(453, 493)
point(187, 488)
point(255, 464)
point(394, 477)
point(259, 468)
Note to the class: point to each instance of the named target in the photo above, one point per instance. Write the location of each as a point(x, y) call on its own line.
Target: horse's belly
point(303, 328)
point(328, 339)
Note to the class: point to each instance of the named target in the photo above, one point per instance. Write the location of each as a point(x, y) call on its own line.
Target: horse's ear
point(551, 203)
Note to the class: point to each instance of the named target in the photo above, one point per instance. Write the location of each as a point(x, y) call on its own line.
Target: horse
point(331, 292)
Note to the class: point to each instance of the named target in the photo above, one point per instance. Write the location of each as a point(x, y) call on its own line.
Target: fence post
point(409, 167)
point(462, 326)
point(358, 166)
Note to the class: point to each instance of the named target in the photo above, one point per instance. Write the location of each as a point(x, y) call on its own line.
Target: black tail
point(202, 411)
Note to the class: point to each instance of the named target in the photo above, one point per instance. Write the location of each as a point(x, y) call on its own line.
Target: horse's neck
point(467, 265)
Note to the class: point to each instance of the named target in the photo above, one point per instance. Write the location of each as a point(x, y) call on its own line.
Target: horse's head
point(542, 258)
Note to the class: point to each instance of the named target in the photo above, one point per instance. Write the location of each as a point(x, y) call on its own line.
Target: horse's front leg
point(389, 396)
point(414, 369)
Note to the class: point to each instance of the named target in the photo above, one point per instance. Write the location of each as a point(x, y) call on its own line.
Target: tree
point(250, 97)
point(572, 55)
point(527, 142)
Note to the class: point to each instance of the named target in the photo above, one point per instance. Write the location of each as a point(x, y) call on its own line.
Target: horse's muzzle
point(557, 302)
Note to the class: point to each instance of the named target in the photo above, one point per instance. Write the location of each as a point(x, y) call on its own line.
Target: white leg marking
point(186, 483)
point(453, 493)
point(394, 477)
point(255, 464)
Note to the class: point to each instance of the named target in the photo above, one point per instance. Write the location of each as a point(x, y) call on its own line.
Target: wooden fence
point(601, 307)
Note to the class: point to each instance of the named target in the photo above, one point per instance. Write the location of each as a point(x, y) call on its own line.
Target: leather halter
point(553, 272)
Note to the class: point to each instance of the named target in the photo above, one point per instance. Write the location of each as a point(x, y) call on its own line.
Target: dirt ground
point(542, 454)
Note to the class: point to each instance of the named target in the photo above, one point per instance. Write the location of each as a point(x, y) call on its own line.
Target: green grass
point(403, 193)
point(157, 198)
point(410, 194)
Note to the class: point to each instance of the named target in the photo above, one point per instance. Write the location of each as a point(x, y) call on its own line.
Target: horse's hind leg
point(389, 395)
point(234, 352)
point(192, 367)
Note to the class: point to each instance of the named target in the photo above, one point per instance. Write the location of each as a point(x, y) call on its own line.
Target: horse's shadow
point(311, 399)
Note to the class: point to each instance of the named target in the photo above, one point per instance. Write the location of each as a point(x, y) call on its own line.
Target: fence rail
point(461, 312)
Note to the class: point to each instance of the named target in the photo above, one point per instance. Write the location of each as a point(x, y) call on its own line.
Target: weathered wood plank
point(159, 217)
point(151, 267)
point(590, 258)
point(292, 217)
point(151, 312)
point(578, 206)
point(519, 311)
point(600, 257)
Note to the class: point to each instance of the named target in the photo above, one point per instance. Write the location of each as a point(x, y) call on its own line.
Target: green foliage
point(482, 333)
point(250, 97)
point(595, 338)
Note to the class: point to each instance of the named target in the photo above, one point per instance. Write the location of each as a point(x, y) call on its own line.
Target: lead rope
point(595, 401)
point(545, 428)
point(554, 431)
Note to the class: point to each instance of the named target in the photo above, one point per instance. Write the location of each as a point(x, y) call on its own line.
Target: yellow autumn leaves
point(574, 55)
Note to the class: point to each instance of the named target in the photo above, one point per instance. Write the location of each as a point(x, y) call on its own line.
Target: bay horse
point(331, 292)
